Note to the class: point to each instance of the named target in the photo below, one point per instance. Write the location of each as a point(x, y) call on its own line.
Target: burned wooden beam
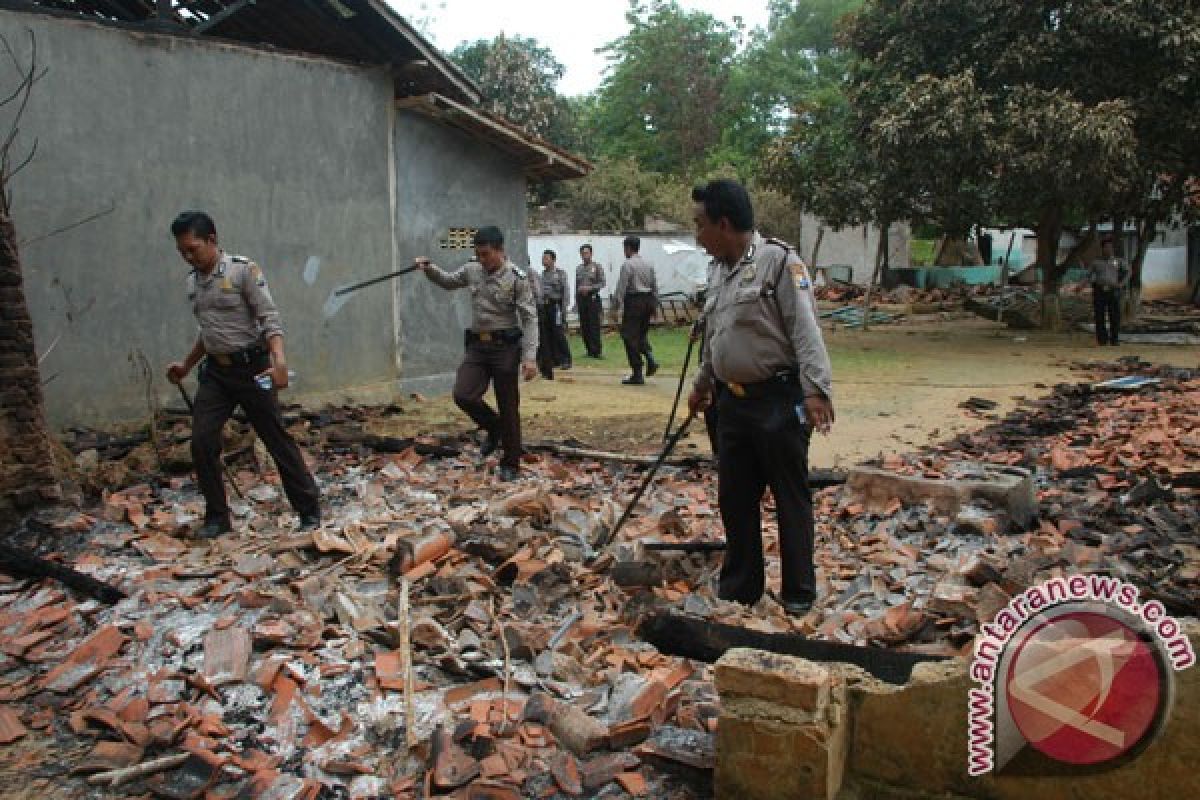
point(690, 637)
point(22, 563)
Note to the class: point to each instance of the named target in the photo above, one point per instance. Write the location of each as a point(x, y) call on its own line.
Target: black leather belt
point(506, 336)
point(240, 358)
point(773, 385)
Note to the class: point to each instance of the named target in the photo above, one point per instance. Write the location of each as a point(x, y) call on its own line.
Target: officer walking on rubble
point(763, 348)
point(241, 342)
point(501, 345)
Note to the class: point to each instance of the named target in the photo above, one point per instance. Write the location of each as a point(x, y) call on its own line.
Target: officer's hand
point(176, 372)
point(279, 376)
point(698, 401)
point(422, 263)
point(819, 410)
point(528, 370)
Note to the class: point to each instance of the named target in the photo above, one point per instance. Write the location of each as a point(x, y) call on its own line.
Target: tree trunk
point(1131, 303)
point(27, 472)
point(879, 256)
point(812, 264)
point(1049, 232)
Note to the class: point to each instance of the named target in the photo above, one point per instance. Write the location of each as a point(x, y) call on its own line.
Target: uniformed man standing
point(552, 301)
point(636, 296)
point(241, 342)
point(763, 347)
point(501, 345)
point(589, 280)
point(1107, 275)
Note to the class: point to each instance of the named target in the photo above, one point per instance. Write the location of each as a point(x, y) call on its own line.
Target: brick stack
point(27, 474)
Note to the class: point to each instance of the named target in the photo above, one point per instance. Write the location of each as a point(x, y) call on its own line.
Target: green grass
point(670, 346)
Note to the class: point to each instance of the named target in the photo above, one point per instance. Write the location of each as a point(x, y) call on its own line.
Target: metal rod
point(373, 281)
point(687, 359)
point(666, 451)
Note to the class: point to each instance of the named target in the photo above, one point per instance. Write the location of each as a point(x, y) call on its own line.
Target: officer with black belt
point(764, 346)
point(636, 296)
point(551, 299)
point(501, 345)
point(589, 280)
point(241, 342)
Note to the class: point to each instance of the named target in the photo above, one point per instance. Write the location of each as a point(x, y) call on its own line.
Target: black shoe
point(634, 380)
point(564, 366)
point(548, 376)
point(309, 522)
point(212, 528)
point(507, 472)
point(798, 607)
point(490, 443)
point(651, 367)
point(1115, 343)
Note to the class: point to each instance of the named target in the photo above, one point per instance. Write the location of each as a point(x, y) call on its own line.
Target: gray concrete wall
point(445, 179)
point(854, 247)
point(289, 154)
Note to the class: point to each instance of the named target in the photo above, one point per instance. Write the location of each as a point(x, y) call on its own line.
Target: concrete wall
point(445, 179)
point(854, 247)
point(305, 165)
point(680, 264)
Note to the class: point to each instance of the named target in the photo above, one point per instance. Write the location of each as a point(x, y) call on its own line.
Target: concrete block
point(782, 733)
point(775, 678)
point(1008, 488)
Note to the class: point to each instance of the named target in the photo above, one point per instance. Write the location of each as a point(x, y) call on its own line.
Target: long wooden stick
point(116, 777)
point(410, 726)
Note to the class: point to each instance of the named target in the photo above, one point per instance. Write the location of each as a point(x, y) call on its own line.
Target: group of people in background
point(635, 300)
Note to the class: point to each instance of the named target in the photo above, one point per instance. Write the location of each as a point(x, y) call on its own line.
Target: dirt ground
point(896, 387)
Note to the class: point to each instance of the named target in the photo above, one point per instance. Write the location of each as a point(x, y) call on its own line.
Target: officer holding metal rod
point(763, 348)
point(501, 345)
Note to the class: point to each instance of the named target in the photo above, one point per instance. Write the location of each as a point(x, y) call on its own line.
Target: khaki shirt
point(233, 305)
point(637, 275)
point(499, 301)
point(553, 286)
point(1108, 273)
point(760, 319)
point(589, 278)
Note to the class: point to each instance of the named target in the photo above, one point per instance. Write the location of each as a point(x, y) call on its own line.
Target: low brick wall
point(793, 729)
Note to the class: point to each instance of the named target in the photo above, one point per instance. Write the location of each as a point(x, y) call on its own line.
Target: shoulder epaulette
point(520, 273)
point(240, 259)
point(778, 243)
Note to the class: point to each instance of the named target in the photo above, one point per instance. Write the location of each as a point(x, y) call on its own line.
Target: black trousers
point(590, 310)
point(1106, 307)
point(221, 390)
point(547, 359)
point(763, 442)
point(635, 329)
point(497, 363)
point(561, 349)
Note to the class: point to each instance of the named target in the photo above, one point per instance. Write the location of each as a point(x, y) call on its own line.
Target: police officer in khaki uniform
point(241, 342)
point(589, 280)
point(1107, 275)
point(763, 347)
point(501, 345)
point(552, 283)
point(636, 296)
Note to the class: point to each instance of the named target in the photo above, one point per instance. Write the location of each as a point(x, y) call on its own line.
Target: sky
point(570, 28)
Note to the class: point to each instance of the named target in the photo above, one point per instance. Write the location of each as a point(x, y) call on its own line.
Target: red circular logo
point(1084, 688)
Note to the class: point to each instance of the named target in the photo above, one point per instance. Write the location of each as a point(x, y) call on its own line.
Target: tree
point(519, 80)
point(27, 470)
point(664, 97)
point(1046, 114)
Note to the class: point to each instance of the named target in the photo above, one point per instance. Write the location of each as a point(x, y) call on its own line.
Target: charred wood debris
point(274, 664)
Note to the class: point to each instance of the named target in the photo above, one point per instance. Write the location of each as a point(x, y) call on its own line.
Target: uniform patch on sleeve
point(800, 275)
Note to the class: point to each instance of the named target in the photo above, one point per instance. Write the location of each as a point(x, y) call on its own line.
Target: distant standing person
point(553, 296)
point(589, 280)
point(241, 342)
point(636, 296)
point(764, 355)
point(500, 346)
point(1108, 275)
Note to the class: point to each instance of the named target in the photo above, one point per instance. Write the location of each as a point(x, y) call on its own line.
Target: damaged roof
point(361, 31)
